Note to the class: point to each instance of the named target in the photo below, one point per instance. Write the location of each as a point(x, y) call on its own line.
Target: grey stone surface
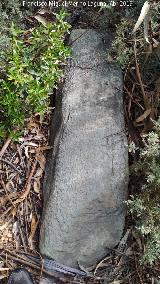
point(47, 281)
point(87, 174)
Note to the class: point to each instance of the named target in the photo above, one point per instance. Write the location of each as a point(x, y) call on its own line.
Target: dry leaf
point(33, 125)
point(14, 212)
point(41, 19)
point(15, 228)
point(4, 226)
point(38, 137)
point(41, 160)
point(155, 42)
point(129, 251)
point(31, 144)
point(39, 173)
point(23, 195)
point(144, 12)
point(100, 264)
point(10, 185)
point(144, 115)
point(26, 152)
point(6, 198)
point(43, 11)
point(34, 224)
point(2, 276)
point(44, 148)
point(3, 201)
point(4, 269)
point(16, 161)
point(146, 28)
point(36, 186)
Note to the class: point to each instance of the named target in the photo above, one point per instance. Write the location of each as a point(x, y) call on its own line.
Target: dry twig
point(5, 146)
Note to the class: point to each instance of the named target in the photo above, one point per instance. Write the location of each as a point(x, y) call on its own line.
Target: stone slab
point(87, 174)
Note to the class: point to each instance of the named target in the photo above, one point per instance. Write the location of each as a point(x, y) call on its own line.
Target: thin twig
point(139, 78)
point(5, 189)
point(10, 164)
point(139, 275)
point(5, 212)
point(11, 255)
point(27, 187)
point(22, 238)
point(5, 146)
point(130, 95)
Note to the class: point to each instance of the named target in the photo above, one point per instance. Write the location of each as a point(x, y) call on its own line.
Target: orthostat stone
point(86, 177)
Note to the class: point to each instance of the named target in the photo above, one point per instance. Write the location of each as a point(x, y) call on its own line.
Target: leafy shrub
point(146, 206)
point(33, 67)
point(122, 47)
point(10, 10)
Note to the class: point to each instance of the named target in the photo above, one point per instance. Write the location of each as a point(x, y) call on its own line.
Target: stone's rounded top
point(90, 35)
point(89, 47)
